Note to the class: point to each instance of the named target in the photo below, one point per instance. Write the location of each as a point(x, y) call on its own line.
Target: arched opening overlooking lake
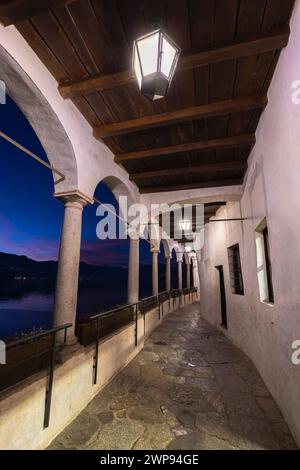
point(30, 229)
point(103, 274)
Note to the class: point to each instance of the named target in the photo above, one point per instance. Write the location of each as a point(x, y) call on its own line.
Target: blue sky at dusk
point(30, 217)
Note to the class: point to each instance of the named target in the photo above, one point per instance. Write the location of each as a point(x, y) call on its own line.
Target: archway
point(43, 120)
point(103, 274)
point(30, 229)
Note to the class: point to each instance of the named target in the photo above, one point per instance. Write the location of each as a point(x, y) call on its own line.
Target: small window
point(264, 267)
point(235, 269)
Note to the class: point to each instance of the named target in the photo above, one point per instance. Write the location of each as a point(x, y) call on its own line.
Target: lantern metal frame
point(156, 81)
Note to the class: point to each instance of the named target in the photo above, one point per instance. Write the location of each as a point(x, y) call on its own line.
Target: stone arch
point(166, 247)
point(118, 188)
point(177, 249)
point(44, 121)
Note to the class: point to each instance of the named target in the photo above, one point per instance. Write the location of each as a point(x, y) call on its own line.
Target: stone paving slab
point(188, 389)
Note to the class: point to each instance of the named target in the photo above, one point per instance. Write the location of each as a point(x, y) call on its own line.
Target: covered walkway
point(189, 388)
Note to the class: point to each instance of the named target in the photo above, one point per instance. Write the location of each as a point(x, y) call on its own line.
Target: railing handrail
point(123, 307)
point(110, 312)
point(33, 336)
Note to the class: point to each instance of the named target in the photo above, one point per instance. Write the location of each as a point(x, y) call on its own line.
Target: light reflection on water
point(34, 309)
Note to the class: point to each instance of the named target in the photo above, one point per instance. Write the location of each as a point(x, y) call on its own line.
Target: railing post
point(50, 381)
point(136, 324)
point(158, 301)
point(95, 365)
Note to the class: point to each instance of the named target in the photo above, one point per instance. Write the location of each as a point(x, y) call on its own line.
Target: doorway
point(222, 297)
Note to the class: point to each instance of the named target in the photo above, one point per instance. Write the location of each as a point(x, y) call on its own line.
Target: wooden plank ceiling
point(201, 134)
point(209, 210)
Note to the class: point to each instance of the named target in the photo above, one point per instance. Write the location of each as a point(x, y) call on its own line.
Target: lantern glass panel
point(168, 56)
point(148, 51)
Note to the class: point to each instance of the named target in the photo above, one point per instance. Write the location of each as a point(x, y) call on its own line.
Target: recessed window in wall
point(263, 262)
point(235, 270)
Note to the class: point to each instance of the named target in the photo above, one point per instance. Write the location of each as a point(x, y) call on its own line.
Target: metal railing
point(46, 358)
point(47, 345)
point(139, 308)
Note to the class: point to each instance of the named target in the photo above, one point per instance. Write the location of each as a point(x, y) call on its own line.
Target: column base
point(67, 350)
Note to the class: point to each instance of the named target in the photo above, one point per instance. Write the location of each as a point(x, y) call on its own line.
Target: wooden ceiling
point(209, 210)
point(201, 134)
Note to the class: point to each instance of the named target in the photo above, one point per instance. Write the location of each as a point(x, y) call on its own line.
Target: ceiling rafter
point(253, 45)
point(200, 146)
point(196, 185)
point(219, 108)
point(14, 11)
point(204, 169)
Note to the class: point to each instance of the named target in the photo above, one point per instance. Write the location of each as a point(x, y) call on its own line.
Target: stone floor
point(189, 388)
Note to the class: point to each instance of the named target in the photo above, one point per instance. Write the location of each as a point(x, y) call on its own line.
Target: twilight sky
point(30, 218)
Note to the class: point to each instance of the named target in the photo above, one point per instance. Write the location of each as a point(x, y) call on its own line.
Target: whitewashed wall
point(272, 190)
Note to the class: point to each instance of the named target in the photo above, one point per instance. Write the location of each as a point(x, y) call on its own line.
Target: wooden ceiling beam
point(219, 108)
point(13, 11)
point(200, 146)
point(183, 186)
point(258, 44)
point(191, 170)
point(213, 204)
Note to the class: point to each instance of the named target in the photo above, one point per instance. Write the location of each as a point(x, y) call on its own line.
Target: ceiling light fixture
point(185, 225)
point(155, 57)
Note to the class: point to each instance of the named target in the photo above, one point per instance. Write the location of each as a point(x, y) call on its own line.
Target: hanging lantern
point(155, 57)
point(188, 249)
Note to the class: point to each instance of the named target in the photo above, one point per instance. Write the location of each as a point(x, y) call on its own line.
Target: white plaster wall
point(272, 190)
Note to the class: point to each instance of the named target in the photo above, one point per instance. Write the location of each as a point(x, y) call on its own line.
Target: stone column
point(65, 302)
point(133, 271)
point(154, 272)
point(188, 273)
point(195, 272)
point(168, 273)
point(179, 265)
point(194, 265)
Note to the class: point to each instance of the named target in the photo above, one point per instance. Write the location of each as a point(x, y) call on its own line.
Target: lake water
point(24, 307)
point(35, 309)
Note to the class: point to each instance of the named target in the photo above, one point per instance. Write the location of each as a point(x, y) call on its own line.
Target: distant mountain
point(19, 274)
point(15, 267)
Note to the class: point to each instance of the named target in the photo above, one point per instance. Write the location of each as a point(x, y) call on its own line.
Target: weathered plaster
point(263, 331)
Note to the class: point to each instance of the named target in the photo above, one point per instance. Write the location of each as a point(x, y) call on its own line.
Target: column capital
point(76, 198)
